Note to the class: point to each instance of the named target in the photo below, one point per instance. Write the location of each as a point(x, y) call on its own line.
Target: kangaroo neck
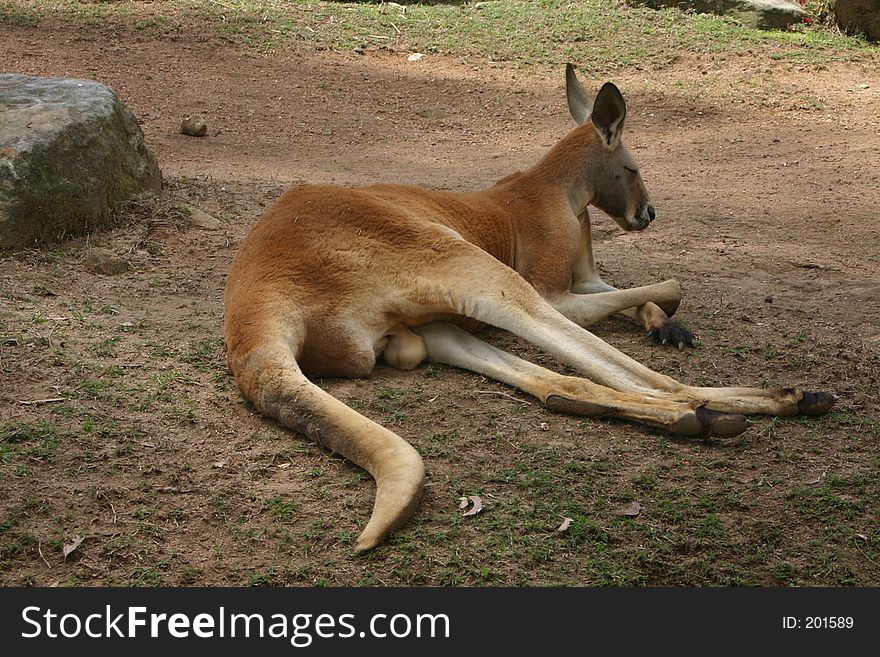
point(569, 165)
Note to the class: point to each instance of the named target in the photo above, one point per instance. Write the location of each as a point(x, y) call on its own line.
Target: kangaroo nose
point(651, 213)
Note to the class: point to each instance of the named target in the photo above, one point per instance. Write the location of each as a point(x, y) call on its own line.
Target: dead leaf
point(463, 502)
point(219, 464)
point(478, 506)
point(545, 426)
point(630, 510)
point(864, 537)
point(416, 56)
point(816, 480)
point(70, 547)
point(566, 523)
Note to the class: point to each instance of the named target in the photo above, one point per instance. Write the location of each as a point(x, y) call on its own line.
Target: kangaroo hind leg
point(502, 298)
point(449, 344)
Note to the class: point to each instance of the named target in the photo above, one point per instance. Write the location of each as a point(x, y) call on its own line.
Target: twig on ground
point(503, 394)
point(40, 550)
point(37, 402)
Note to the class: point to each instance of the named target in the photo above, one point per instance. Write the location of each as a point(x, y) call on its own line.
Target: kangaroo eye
point(631, 169)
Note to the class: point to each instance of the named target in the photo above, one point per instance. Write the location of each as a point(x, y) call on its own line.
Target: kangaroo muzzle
point(644, 217)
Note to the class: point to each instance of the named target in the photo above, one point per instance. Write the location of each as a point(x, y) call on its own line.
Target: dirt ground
point(766, 179)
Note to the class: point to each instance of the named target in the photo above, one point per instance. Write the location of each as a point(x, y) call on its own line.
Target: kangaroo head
point(612, 170)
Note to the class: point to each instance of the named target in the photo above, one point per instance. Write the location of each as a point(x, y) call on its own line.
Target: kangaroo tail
point(271, 378)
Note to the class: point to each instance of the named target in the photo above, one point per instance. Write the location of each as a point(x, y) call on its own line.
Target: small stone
point(101, 261)
point(194, 126)
point(202, 219)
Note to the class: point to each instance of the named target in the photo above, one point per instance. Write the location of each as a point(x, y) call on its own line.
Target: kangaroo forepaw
point(815, 403)
point(672, 334)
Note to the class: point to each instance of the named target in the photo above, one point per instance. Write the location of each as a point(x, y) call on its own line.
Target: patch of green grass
point(434, 370)
point(439, 445)
point(601, 35)
point(145, 576)
point(266, 577)
point(391, 393)
point(97, 389)
point(159, 349)
point(189, 575)
point(8, 523)
point(22, 440)
point(104, 348)
point(144, 512)
point(395, 418)
point(280, 508)
point(834, 501)
point(16, 545)
point(711, 527)
point(205, 355)
point(124, 448)
point(182, 415)
point(23, 16)
point(167, 388)
point(393, 402)
point(673, 505)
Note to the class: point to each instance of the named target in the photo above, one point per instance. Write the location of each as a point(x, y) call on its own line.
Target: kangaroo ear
point(608, 114)
point(579, 102)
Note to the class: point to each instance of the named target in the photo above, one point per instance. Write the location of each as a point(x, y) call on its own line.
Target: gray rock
point(70, 154)
point(859, 17)
point(761, 14)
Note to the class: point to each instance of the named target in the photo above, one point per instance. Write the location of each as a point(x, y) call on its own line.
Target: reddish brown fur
point(330, 278)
